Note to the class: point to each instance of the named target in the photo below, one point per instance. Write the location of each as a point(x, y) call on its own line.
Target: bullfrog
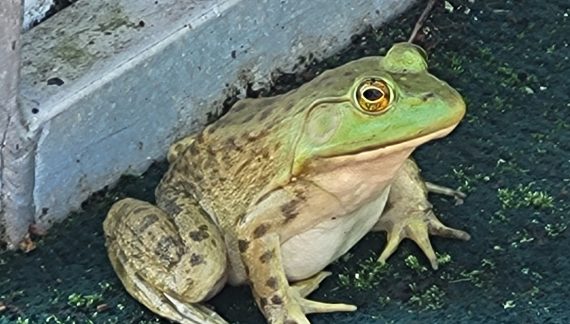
point(280, 187)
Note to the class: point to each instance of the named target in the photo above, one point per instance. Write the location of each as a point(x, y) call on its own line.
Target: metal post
point(16, 145)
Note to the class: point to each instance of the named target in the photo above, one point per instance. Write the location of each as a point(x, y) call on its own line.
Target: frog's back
point(234, 159)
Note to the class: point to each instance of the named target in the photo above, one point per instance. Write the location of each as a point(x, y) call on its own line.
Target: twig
point(421, 20)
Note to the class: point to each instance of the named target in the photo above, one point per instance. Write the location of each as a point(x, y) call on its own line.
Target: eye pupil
point(372, 94)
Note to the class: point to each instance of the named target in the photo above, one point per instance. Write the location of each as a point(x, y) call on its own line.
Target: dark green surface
point(511, 154)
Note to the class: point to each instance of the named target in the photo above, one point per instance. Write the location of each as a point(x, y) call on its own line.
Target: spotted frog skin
point(280, 187)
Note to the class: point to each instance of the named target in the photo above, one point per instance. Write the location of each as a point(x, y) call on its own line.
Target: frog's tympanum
point(280, 187)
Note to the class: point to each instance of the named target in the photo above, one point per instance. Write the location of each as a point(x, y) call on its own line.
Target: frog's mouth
point(390, 154)
point(396, 146)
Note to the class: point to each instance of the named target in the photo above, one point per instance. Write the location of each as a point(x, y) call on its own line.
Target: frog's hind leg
point(409, 214)
point(169, 263)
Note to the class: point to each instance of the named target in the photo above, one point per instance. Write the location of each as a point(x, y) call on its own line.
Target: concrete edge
point(107, 88)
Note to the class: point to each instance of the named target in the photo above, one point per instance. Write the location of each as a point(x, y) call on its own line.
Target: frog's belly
point(307, 253)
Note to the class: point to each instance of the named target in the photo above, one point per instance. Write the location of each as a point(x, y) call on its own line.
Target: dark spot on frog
point(194, 150)
point(243, 245)
point(271, 283)
point(289, 209)
point(265, 154)
point(276, 300)
point(262, 302)
point(200, 138)
point(171, 207)
point(327, 82)
point(241, 166)
point(211, 152)
point(177, 149)
point(147, 221)
point(199, 235)
point(266, 112)
point(348, 73)
point(265, 257)
point(300, 195)
point(260, 230)
point(165, 247)
point(289, 105)
point(197, 176)
point(187, 186)
point(211, 128)
point(35, 110)
point(246, 269)
point(231, 143)
point(196, 259)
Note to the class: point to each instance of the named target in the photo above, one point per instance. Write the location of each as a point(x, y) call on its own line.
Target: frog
point(280, 187)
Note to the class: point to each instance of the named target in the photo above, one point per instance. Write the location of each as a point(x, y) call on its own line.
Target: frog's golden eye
point(373, 96)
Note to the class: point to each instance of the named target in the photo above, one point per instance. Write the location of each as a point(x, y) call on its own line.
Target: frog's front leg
point(170, 259)
point(409, 214)
point(260, 236)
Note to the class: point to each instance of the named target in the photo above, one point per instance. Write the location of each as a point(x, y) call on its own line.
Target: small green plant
point(523, 196)
point(413, 263)
point(473, 277)
point(457, 63)
point(367, 276)
point(83, 301)
point(428, 299)
point(443, 258)
point(553, 230)
point(467, 178)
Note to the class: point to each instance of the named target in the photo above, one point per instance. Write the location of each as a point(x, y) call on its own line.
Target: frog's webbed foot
point(409, 214)
point(295, 310)
point(417, 227)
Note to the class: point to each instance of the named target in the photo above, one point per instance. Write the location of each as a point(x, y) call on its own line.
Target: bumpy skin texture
point(254, 197)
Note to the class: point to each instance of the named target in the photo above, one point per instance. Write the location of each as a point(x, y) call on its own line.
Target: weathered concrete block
point(106, 87)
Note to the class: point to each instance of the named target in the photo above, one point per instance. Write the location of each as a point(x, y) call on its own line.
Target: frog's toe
point(458, 195)
point(307, 286)
point(418, 229)
point(311, 306)
point(295, 310)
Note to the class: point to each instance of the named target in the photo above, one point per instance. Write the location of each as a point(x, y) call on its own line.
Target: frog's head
point(382, 104)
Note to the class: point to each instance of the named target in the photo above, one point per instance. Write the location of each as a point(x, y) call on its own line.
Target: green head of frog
point(375, 103)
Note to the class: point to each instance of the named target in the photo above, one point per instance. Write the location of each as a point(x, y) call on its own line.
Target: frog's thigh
point(168, 263)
